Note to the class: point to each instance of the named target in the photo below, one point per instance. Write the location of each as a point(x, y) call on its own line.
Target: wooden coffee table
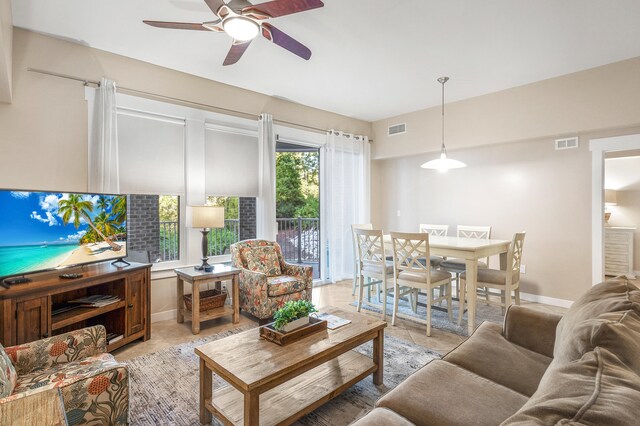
point(274, 385)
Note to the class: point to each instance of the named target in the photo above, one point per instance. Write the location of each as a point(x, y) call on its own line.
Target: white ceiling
point(371, 59)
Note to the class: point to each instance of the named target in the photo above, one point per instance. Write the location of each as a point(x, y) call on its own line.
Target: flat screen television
point(42, 231)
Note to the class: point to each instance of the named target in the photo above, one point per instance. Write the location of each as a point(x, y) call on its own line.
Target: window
point(168, 214)
point(220, 240)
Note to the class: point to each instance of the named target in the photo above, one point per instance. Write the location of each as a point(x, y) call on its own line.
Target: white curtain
point(103, 142)
point(346, 197)
point(267, 227)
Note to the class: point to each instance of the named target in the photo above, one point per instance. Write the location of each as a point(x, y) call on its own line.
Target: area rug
point(165, 388)
point(439, 319)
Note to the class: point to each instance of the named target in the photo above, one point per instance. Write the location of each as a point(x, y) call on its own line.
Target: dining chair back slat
point(409, 250)
point(434, 230)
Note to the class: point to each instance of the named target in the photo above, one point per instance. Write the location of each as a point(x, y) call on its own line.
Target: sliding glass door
point(298, 204)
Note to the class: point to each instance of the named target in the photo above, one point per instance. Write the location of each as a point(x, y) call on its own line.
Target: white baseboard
point(546, 300)
point(163, 316)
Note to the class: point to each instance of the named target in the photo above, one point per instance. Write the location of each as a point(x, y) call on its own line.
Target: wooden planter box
point(282, 338)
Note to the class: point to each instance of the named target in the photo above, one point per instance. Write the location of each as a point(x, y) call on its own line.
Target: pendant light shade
point(443, 163)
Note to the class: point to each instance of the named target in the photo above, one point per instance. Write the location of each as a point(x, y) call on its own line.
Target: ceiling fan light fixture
point(241, 28)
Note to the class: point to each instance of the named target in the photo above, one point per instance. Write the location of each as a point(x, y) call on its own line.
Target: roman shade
point(150, 153)
point(231, 162)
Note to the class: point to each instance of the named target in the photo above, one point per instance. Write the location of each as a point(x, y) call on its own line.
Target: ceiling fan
point(242, 21)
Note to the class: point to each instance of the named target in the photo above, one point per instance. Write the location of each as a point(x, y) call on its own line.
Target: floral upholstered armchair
point(94, 386)
point(267, 282)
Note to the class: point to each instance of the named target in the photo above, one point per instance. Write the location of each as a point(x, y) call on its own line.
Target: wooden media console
point(28, 311)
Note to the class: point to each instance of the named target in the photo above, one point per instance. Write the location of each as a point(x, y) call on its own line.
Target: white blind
point(151, 154)
point(231, 163)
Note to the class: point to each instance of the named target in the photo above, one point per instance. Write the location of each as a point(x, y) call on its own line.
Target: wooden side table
point(198, 278)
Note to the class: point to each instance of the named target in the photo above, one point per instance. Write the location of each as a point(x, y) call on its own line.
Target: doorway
point(298, 204)
point(601, 149)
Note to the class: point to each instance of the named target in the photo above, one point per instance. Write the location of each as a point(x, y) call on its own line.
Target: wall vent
point(567, 143)
point(397, 129)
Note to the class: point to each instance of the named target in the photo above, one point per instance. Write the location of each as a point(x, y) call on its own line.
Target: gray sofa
point(538, 369)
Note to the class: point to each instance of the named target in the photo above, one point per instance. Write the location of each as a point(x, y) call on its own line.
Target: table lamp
point(206, 217)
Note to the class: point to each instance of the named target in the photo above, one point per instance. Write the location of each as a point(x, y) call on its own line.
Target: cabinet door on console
point(136, 302)
point(32, 318)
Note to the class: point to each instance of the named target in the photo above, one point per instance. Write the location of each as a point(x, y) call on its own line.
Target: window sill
point(164, 270)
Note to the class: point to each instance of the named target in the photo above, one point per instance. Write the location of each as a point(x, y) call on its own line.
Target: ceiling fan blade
point(236, 52)
point(277, 8)
point(283, 40)
point(214, 5)
point(177, 25)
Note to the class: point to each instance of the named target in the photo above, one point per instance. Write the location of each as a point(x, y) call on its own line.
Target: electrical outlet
point(398, 213)
point(523, 269)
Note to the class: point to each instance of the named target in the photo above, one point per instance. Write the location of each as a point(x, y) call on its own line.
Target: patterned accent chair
point(267, 282)
point(94, 386)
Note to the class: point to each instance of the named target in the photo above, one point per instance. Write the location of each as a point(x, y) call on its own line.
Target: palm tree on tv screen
point(103, 203)
point(75, 208)
point(119, 209)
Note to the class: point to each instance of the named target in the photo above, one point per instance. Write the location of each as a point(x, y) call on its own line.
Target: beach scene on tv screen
point(45, 230)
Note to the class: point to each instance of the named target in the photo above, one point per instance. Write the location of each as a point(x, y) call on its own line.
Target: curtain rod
point(87, 82)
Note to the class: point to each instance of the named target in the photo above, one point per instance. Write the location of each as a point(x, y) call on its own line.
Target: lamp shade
point(610, 197)
point(207, 217)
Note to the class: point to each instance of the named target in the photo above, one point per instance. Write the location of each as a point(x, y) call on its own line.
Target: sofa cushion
point(8, 374)
point(284, 284)
point(605, 316)
point(263, 259)
point(382, 417)
point(65, 374)
point(598, 389)
point(488, 354)
point(441, 393)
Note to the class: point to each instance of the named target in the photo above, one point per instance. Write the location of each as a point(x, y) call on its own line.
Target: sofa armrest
point(531, 329)
point(301, 272)
point(60, 349)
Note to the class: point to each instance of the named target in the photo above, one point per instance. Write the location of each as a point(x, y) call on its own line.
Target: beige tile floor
point(169, 333)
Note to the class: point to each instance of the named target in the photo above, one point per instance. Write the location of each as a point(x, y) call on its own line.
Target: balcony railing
point(299, 239)
point(169, 241)
point(219, 239)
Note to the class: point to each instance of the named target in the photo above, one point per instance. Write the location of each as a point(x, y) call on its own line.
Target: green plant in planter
point(292, 311)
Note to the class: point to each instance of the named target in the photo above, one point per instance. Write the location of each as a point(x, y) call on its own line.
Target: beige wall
point(6, 47)
point(606, 97)
point(518, 186)
point(43, 142)
point(627, 213)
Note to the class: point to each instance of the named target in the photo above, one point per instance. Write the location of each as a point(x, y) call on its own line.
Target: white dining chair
point(435, 231)
point(372, 264)
point(458, 266)
point(410, 273)
point(508, 281)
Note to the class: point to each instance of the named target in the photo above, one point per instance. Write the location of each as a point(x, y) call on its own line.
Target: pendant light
point(443, 163)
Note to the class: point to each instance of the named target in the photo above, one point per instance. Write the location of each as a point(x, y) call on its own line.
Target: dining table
point(471, 250)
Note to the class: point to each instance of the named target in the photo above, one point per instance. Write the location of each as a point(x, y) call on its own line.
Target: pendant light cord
point(442, 81)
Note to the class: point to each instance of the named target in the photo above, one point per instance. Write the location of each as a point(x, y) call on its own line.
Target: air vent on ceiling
point(397, 129)
point(567, 143)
